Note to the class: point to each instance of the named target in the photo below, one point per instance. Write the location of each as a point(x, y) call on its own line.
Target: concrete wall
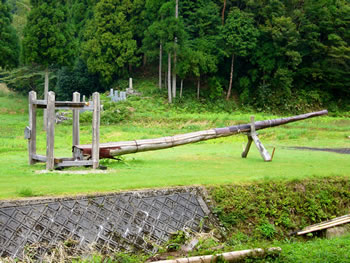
point(128, 220)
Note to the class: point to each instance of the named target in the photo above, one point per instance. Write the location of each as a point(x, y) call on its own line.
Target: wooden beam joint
point(253, 136)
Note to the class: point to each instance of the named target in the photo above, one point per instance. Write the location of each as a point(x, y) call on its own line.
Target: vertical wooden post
point(96, 131)
point(46, 90)
point(252, 125)
point(50, 130)
point(76, 139)
point(32, 127)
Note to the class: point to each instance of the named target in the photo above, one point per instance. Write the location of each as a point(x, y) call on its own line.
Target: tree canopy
point(9, 42)
point(271, 54)
point(47, 37)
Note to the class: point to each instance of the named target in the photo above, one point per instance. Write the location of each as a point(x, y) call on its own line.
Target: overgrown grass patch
point(273, 210)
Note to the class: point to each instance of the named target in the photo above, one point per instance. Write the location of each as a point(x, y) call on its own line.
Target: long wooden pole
point(108, 150)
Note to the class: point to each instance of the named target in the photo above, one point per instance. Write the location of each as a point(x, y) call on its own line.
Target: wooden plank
point(96, 131)
point(50, 131)
point(74, 163)
point(39, 158)
point(61, 104)
point(326, 224)
point(76, 127)
point(32, 127)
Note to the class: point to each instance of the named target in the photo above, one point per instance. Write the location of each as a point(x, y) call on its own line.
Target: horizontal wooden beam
point(61, 104)
point(39, 158)
point(74, 163)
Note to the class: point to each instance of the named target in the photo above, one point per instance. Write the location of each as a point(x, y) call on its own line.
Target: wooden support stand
point(253, 136)
point(50, 106)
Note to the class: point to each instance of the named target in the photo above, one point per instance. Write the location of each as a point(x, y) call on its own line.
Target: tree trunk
point(181, 86)
point(174, 75)
point(144, 60)
point(198, 86)
point(169, 78)
point(223, 13)
point(160, 65)
point(231, 76)
point(46, 91)
point(175, 43)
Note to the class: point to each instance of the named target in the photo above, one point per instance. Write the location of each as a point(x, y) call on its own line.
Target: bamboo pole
point(229, 256)
point(108, 150)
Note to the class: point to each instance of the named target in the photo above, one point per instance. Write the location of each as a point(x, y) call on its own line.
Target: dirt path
point(335, 150)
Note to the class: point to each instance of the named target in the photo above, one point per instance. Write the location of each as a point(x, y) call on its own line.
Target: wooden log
point(50, 131)
point(108, 150)
point(234, 256)
point(96, 131)
point(76, 127)
point(32, 127)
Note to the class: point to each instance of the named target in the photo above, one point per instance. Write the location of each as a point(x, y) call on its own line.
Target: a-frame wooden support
point(253, 136)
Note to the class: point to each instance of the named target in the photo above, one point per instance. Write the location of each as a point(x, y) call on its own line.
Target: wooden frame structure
point(253, 136)
point(51, 105)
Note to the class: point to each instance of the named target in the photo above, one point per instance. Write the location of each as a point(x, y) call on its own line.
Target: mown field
point(212, 162)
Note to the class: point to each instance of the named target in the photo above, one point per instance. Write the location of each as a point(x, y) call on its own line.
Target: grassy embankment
point(207, 163)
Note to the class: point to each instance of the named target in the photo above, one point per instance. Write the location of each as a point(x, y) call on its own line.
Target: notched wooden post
point(32, 127)
point(96, 131)
point(76, 126)
point(50, 131)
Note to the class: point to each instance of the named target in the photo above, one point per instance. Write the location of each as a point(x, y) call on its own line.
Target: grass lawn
point(206, 163)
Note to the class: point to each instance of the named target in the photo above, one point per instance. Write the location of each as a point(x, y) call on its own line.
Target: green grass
point(206, 163)
point(334, 250)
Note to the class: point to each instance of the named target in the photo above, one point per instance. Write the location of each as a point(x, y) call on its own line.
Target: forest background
point(268, 55)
